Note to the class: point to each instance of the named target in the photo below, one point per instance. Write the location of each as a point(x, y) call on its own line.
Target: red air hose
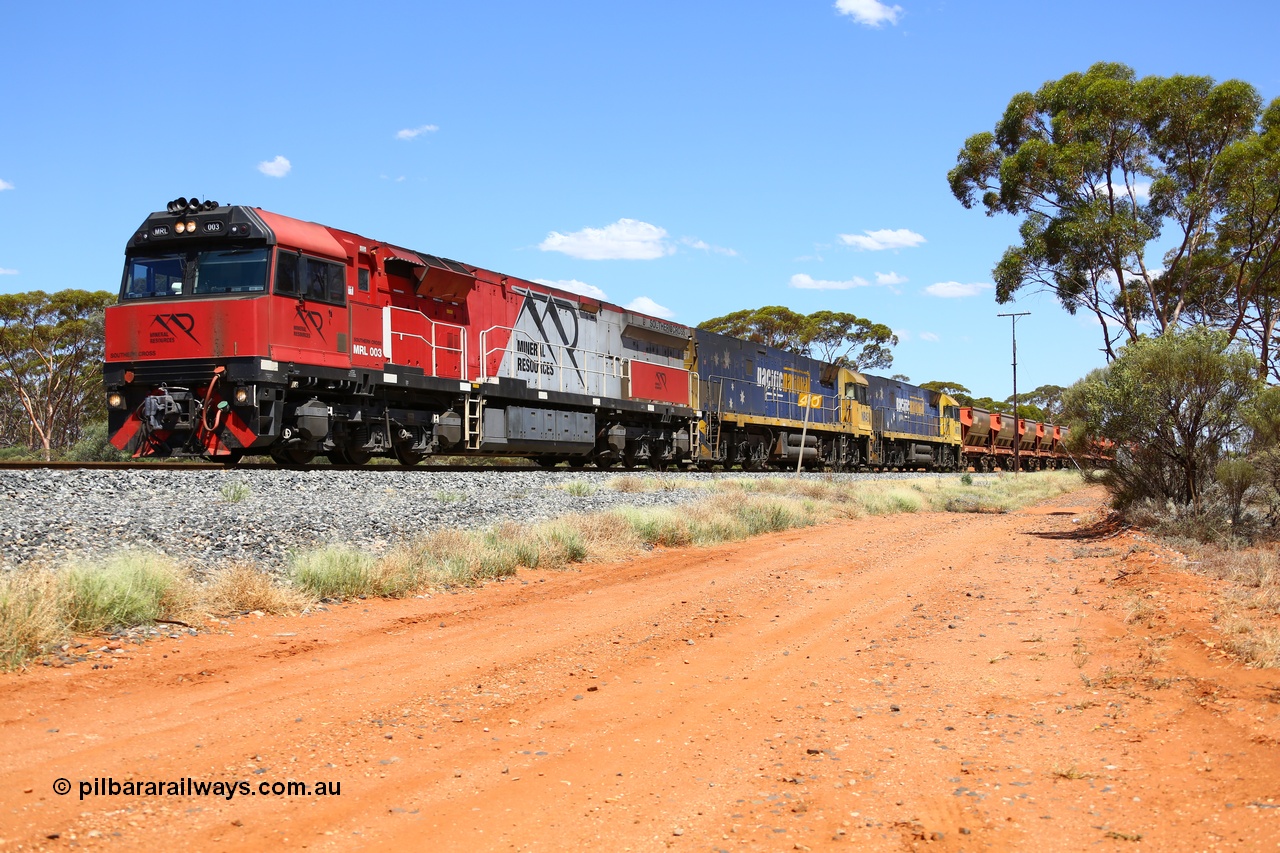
point(208, 395)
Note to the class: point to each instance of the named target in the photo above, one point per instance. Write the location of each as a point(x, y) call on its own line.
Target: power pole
point(1017, 439)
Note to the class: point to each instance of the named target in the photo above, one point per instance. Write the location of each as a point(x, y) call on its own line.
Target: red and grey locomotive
point(239, 331)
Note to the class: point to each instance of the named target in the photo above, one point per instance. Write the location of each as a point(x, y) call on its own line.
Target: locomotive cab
point(193, 363)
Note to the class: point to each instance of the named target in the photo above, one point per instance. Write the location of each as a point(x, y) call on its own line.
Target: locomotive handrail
point(616, 365)
point(431, 343)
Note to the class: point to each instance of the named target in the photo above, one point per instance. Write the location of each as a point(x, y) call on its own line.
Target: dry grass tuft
point(32, 619)
point(243, 586)
point(1138, 610)
point(1248, 612)
point(1069, 773)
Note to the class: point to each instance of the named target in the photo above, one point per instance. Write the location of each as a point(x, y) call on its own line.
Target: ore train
point(244, 332)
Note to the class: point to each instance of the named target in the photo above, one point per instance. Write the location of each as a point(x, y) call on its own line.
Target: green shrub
point(130, 588)
point(579, 488)
point(94, 446)
point(335, 572)
point(234, 491)
point(1236, 477)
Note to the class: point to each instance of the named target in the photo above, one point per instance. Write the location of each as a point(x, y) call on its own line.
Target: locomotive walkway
point(946, 682)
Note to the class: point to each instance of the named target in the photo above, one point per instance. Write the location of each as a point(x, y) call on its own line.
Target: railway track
point(244, 466)
point(424, 468)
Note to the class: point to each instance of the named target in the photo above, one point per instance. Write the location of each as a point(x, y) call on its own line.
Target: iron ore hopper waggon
point(243, 332)
point(990, 439)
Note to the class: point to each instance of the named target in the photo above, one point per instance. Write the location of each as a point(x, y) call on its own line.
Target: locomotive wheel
point(357, 455)
point(231, 459)
point(347, 455)
point(577, 462)
point(406, 456)
point(292, 457)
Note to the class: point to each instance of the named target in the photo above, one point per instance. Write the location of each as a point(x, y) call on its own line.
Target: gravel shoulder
point(950, 682)
point(205, 518)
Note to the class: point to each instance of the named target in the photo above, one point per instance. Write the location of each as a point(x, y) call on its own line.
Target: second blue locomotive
point(761, 406)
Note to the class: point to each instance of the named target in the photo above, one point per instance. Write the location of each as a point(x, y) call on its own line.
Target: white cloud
point(693, 243)
point(626, 239)
point(574, 286)
point(414, 132)
point(802, 281)
point(645, 305)
point(871, 13)
point(276, 168)
point(1141, 189)
point(4, 271)
point(929, 336)
point(903, 335)
point(5, 185)
point(890, 278)
point(955, 290)
point(875, 241)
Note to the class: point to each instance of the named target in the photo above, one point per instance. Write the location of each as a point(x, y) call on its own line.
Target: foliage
point(32, 619)
point(94, 446)
point(1104, 167)
point(1236, 477)
point(832, 336)
point(951, 389)
point(51, 349)
point(1174, 404)
point(1263, 419)
point(334, 572)
point(234, 491)
point(1047, 400)
point(130, 588)
point(961, 396)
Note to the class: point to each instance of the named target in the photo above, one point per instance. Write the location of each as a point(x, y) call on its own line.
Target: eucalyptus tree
point(1104, 168)
point(1175, 405)
point(837, 337)
point(51, 347)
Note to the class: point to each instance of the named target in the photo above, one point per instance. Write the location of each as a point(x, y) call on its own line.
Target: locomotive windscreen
point(196, 273)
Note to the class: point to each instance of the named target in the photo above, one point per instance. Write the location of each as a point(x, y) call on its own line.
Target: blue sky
point(688, 158)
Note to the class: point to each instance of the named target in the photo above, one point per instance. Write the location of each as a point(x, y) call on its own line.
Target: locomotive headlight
point(240, 395)
point(180, 227)
point(115, 400)
point(191, 226)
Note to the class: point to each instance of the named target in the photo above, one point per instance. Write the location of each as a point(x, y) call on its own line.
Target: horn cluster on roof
point(192, 205)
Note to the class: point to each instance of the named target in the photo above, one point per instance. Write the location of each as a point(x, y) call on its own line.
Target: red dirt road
point(941, 682)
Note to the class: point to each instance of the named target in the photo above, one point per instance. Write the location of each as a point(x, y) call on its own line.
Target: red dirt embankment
point(947, 682)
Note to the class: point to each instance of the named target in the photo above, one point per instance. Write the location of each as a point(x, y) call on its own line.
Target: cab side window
point(287, 273)
point(310, 278)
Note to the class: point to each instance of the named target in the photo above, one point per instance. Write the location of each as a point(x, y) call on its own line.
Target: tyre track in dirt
point(857, 683)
